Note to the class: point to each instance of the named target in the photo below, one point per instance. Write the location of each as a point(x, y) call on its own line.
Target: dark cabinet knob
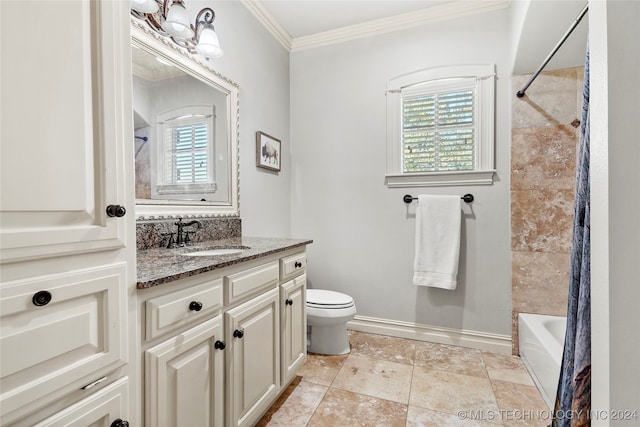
point(195, 306)
point(298, 264)
point(41, 298)
point(288, 301)
point(120, 423)
point(116, 210)
point(220, 345)
point(238, 333)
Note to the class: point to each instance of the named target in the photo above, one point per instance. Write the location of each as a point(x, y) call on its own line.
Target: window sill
point(439, 179)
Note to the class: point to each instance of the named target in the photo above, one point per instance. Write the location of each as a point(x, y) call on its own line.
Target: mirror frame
point(145, 38)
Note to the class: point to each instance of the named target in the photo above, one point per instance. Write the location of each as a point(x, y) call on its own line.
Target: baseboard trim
point(495, 343)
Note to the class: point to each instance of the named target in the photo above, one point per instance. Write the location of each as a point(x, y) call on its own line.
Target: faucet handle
point(170, 240)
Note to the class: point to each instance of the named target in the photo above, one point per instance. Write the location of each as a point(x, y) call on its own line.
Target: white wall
point(362, 231)
point(615, 238)
point(260, 65)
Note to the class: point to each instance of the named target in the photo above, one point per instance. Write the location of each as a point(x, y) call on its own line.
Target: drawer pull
point(288, 301)
point(195, 306)
point(41, 298)
point(238, 333)
point(93, 384)
point(297, 264)
point(120, 423)
point(220, 345)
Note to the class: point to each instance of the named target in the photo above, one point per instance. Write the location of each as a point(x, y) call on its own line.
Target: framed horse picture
point(267, 152)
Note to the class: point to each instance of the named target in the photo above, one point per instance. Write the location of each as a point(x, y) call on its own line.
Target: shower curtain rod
point(520, 93)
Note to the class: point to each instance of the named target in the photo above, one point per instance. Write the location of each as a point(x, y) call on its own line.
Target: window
point(186, 155)
point(185, 152)
point(440, 127)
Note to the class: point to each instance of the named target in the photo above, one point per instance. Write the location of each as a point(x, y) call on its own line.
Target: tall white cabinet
point(66, 241)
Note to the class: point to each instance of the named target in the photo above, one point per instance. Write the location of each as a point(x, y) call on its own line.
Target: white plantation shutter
point(438, 131)
point(186, 155)
point(440, 127)
point(186, 159)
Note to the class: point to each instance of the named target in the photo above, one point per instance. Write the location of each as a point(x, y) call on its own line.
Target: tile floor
point(390, 382)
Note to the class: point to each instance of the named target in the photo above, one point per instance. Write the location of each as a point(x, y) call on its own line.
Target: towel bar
point(408, 198)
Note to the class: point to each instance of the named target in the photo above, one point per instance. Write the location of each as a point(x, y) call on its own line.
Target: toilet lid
point(321, 298)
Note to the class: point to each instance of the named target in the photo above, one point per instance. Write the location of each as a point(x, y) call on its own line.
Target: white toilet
point(327, 315)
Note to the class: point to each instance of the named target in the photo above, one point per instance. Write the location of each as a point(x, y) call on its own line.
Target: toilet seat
point(324, 299)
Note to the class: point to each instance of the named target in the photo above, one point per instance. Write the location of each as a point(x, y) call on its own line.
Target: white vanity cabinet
point(184, 378)
point(293, 329)
point(220, 346)
point(253, 360)
point(293, 299)
point(67, 252)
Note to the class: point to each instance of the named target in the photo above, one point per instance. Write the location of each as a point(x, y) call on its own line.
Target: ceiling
point(301, 24)
point(306, 17)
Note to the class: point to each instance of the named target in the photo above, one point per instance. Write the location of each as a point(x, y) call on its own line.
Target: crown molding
point(403, 21)
point(269, 22)
point(444, 12)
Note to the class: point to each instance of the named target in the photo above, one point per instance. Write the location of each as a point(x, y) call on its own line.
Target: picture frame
point(268, 151)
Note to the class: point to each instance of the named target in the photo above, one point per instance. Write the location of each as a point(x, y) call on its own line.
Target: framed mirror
point(185, 132)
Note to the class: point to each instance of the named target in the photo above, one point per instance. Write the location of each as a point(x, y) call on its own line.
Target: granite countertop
point(158, 266)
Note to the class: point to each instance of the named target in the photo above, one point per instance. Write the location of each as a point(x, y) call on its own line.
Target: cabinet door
point(65, 115)
point(293, 336)
point(253, 364)
point(184, 379)
point(98, 410)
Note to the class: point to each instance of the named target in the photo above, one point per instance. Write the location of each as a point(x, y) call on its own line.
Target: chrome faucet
point(182, 236)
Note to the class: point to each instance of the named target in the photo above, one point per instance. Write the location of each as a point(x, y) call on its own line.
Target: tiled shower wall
point(544, 135)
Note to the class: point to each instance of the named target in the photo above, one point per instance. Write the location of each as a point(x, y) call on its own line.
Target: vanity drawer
point(292, 266)
point(58, 330)
point(170, 311)
point(251, 281)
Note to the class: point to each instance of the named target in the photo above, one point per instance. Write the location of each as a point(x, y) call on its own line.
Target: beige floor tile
point(521, 405)
point(444, 386)
point(382, 347)
point(295, 406)
point(420, 417)
point(341, 408)
point(451, 392)
point(450, 358)
point(505, 367)
point(321, 369)
point(377, 378)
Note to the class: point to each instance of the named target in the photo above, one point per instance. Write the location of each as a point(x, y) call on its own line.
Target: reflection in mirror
point(184, 133)
point(180, 134)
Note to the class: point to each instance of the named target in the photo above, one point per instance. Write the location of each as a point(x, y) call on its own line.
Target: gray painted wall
point(260, 65)
point(363, 233)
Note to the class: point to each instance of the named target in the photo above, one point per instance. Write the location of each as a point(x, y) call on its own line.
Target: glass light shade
point(177, 22)
point(144, 6)
point(208, 44)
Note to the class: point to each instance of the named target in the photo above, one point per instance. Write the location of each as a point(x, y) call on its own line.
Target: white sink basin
point(215, 252)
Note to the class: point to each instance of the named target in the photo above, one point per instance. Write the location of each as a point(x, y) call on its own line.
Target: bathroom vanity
point(223, 335)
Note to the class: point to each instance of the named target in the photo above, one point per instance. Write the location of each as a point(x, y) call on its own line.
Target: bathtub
point(541, 342)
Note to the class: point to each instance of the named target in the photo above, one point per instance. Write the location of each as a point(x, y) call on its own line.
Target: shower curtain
point(573, 400)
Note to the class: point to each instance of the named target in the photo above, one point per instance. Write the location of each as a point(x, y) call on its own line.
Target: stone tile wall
point(544, 136)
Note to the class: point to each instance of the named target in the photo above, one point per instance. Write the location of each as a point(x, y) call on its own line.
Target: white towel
point(437, 241)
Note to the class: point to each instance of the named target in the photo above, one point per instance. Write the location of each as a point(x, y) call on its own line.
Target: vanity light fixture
point(170, 18)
